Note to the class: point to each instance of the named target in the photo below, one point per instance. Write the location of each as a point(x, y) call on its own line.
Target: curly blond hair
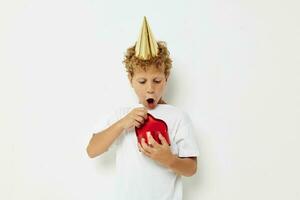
point(162, 61)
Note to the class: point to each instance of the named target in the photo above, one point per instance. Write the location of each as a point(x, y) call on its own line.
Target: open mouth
point(150, 101)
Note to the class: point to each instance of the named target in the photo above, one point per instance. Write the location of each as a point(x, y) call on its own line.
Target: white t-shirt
point(139, 177)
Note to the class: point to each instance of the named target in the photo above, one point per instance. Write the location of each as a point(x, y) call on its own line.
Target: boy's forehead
point(150, 71)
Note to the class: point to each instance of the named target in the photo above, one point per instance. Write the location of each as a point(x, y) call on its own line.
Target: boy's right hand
point(135, 118)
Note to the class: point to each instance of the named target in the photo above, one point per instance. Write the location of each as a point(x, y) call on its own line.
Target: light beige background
point(236, 72)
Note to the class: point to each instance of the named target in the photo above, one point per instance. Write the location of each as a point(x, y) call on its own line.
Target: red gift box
point(155, 126)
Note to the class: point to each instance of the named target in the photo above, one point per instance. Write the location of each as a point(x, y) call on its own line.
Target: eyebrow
point(158, 77)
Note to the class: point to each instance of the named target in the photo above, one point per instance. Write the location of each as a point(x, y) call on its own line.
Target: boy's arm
point(186, 166)
point(183, 166)
point(100, 142)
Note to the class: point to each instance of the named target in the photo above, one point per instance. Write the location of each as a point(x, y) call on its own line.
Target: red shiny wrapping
point(155, 126)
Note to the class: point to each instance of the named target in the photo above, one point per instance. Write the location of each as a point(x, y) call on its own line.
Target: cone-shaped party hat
point(146, 47)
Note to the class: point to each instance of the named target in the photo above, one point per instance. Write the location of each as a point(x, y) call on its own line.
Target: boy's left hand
point(158, 152)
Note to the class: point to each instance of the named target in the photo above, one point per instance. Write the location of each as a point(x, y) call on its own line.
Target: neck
point(161, 102)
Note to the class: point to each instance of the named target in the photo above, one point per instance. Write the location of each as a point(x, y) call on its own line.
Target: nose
point(150, 88)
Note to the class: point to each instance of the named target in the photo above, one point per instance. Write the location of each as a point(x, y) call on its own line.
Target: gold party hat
point(146, 46)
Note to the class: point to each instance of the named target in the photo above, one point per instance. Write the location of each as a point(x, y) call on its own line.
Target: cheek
point(161, 88)
point(139, 90)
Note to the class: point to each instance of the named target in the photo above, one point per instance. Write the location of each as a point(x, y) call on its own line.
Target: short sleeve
point(185, 138)
point(108, 120)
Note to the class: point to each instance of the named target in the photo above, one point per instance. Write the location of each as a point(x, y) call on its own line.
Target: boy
point(148, 171)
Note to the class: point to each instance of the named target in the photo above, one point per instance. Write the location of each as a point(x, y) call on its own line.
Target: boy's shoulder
point(179, 112)
point(171, 108)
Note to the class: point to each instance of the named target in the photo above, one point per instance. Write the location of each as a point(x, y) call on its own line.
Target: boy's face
point(149, 85)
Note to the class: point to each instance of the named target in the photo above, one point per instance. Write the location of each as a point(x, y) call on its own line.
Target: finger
point(163, 140)
point(145, 146)
point(141, 108)
point(136, 124)
point(151, 140)
point(139, 119)
point(139, 146)
point(139, 123)
point(145, 152)
point(142, 114)
point(145, 113)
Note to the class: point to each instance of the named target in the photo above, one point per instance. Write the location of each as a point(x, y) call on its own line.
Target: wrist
point(171, 161)
point(120, 125)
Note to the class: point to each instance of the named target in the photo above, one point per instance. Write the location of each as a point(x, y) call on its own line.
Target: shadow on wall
point(171, 89)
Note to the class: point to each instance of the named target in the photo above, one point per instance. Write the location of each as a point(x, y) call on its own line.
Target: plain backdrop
point(235, 71)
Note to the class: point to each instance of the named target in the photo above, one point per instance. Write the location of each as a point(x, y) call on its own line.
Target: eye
point(142, 82)
point(157, 81)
